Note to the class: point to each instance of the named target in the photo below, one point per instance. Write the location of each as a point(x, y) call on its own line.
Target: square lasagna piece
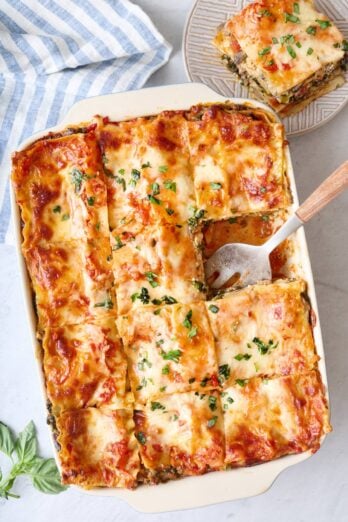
point(170, 349)
point(286, 52)
point(60, 189)
point(84, 366)
point(266, 419)
point(72, 281)
point(181, 434)
point(159, 264)
point(237, 158)
point(98, 448)
point(147, 169)
point(262, 330)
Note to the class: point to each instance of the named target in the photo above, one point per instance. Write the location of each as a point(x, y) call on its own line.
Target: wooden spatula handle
point(326, 192)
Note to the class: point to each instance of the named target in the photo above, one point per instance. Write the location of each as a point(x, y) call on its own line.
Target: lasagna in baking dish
point(285, 52)
point(150, 375)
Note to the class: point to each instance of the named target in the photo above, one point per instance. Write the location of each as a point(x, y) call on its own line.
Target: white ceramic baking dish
point(213, 487)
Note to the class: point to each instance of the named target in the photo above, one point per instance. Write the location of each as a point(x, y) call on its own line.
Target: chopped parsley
point(141, 364)
point(214, 309)
point(153, 200)
point(194, 220)
point(121, 181)
point(275, 40)
point(191, 380)
point(187, 322)
point(299, 45)
point(157, 406)
point(143, 296)
point(263, 347)
point(143, 384)
point(310, 51)
point(140, 436)
point(167, 299)
point(324, 24)
point(198, 284)
point(224, 373)
point(232, 220)
point(165, 369)
point(215, 186)
point(77, 177)
point(296, 8)
point(172, 355)
point(170, 185)
point(264, 51)
point(241, 382)
point(163, 168)
point(163, 388)
point(291, 51)
point(108, 304)
point(287, 38)
point(212, 402)
point(151, 277)
point(155, 188)
point(169, 211)
point(146, 165)
point(264, 12)
point(175, 417)
point(135, 176)
point(119, 243)
point(243, 356)
point(65, 217)
point(97, 226)
point(291, 18)
point(157, 312)
point(91, 201)
point(265, 217)
point(311, 30)
point(57, 209)
point(122, 172)
point(211, 422)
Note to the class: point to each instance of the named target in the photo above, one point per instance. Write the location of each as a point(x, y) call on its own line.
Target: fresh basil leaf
point(26, 444)
point(7, 441)
point(45, 476)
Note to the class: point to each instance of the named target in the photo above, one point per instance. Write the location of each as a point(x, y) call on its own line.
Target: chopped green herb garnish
point(57, 209)
point(169, 211)
point(211, 422)
point(230, 400)
point(122, 172)
point(265, 217)
point(165, 369)
point(168, 299)
point(195, 219)
point(324, 24)
point(170, 185)
point(77, 177)
point(264, 51)
point(157, 406)
point(65, 217)
point(291, 18)
point(143, 296)
point(198, 284)
point(291, 51)
point(243, 356)
point(91, 201)
point(263, 347)
point(187, 322)
point(153, 200)
point(151, 277)
point(163, 388)
point(135, 176)
point(108, 304)
point(97, 226)
point(140, 436)
point(212, 402)
point(172, 355)
point(175, 417)
point(215, 186)
point(299, 45)
point(264, 12)
point(214, 309)
point(119, 243)
point(163, 168)
point(241, 382)
point(146, 165)
point(155, 188)
point(310, 51)
point(311, 30)
point(121, 181)
point(144, 361)
point(157, 312)
point(232, 220)
point(193, 332)
point(287, 38)
point(191, 380)
point(275, 40)
point(296, 8)
point(224, 373)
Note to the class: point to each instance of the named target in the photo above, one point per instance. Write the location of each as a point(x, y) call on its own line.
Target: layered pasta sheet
point(150, 375)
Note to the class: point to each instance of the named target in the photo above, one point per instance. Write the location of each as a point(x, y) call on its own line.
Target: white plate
point(203, 62)
point(214, 487)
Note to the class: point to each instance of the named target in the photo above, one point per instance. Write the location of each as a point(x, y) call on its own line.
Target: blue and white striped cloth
point(56, 52)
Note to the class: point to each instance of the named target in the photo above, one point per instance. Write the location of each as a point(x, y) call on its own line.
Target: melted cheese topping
point(72, 281)
point(84, 366)
point(181, 432)
point(60, 190)
point(162, 260)
point(266, 419)
point(283, 48)
point(237, 163)
point(98, 448)
point(263, 330)
point(170, 349)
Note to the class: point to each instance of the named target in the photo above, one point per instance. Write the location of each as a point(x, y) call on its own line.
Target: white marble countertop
point(316, 489)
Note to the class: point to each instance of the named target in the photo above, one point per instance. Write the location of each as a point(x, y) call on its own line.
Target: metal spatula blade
point(251, 263)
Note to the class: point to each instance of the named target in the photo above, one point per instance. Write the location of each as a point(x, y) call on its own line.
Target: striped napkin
point(56, 52)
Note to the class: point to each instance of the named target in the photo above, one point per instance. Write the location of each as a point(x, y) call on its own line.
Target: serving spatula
point(250, 263)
